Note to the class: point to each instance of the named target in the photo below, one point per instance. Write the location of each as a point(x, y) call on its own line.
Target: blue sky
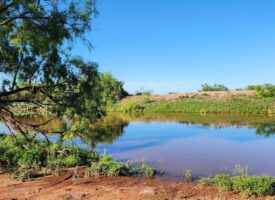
point(177, 45)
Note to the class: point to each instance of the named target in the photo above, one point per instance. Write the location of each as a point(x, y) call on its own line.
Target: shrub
point(255, 185)
point(23, 174)
point(106, 166)
point(28, 158)
point(187, 175)
point(248, 185)
point(150, 172)
point(18, 152)
point(223, 181)
point(216, 87)
point(265, 90)
point(207, 181)
point(143, 92)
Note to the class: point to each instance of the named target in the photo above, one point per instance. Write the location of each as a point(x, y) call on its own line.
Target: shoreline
point(229, 102)
point(66, 186)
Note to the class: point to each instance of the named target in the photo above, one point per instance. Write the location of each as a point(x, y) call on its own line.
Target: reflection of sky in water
point(204, 150)
point(141, 135)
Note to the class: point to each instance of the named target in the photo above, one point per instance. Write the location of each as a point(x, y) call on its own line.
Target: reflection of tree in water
point(103, 134)
point(106, 131)
point(265, 129)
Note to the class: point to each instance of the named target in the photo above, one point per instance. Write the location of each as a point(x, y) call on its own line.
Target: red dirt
point(66, 187)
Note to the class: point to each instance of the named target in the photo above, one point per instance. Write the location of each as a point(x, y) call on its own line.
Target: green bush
point(265, 90)
point(224, 182)
point(150, 172)
point(210, 88)
point(248, 185)
point(106, 166)
point(206, 181)
point(29, 157)
point(19, 152)
point(255, 185)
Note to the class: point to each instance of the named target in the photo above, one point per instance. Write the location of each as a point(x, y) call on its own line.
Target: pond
point(172, 142)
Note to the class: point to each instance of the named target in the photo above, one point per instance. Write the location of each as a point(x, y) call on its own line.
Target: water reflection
point(205, 144)
point(112, 126)
point(265, 129)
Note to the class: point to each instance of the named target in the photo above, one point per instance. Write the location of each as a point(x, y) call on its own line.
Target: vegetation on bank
point(30, 157)
point(242, 182)
point(265, 90)
point(254, 99)
point(199, 104)
point(216, 87)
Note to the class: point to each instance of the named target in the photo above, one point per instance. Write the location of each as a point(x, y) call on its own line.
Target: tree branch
point(6, 7)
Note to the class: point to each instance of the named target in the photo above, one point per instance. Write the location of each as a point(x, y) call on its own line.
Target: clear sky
point(177, 45)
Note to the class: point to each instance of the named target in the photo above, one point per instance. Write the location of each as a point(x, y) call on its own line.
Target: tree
point(112, 89)
point(36, 65)
point(216, 87)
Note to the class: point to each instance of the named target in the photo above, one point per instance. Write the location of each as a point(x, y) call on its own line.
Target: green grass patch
point(234, 105)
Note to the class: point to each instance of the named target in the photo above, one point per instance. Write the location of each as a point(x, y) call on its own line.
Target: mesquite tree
point(36, 65)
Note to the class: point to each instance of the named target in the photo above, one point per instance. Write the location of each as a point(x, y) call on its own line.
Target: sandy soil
point(67, 187)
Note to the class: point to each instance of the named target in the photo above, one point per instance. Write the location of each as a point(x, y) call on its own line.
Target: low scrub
point(27, 158)
point(248, 185)
point(265, 90)
point(211, 88)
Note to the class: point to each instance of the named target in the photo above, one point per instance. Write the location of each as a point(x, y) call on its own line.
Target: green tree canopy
point(112, 89)
point(36, 66)
point(210, 88)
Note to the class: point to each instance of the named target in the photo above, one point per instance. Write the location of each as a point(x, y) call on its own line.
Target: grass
point(200, 104)
point(29, 158)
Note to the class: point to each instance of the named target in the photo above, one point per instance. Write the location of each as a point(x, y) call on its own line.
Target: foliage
point(24, 174)
point(187, 175)
point(144, 92)
point(223, 181)
point(216, 87)
point(202, 104)
point(265, 90)
point(106, 166)
point(255, 185)
point(27, 157)
point(37, 68)
point(111, 89)
point(248, 185)
point(150, 172)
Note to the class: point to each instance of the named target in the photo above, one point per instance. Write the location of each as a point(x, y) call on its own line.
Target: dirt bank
point(220, 95)
point(67, 187)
